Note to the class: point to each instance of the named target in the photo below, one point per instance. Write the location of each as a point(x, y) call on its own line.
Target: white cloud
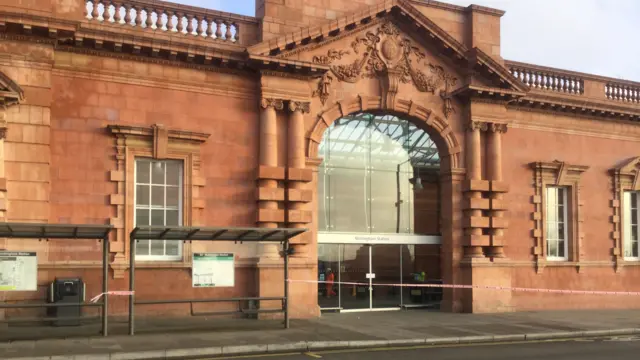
point(592, 36)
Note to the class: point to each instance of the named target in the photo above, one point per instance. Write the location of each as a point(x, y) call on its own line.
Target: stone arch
point(439, 129)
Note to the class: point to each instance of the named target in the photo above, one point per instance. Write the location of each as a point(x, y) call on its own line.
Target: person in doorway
point(330, 279)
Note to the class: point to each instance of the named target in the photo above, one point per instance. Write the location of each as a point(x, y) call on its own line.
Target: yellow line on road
point(256, 356)
point(318, 354)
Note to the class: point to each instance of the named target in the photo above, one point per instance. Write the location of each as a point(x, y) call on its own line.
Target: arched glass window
point(375, 177)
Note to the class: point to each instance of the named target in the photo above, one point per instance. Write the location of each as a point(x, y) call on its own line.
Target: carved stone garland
point(386, 54)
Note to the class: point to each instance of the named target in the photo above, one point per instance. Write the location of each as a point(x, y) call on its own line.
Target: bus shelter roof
point(214, 233)
point(53, 231)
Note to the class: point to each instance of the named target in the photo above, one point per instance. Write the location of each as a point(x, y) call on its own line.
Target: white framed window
point(158, 202)
point(556, 223)
point(631, 221)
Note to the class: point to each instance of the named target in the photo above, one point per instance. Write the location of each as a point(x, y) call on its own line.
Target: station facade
point(392, 130)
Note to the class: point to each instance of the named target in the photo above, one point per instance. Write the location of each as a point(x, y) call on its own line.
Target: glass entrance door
point(386, 270)
point(366, 276)
point(354, 287)
point(351, 276)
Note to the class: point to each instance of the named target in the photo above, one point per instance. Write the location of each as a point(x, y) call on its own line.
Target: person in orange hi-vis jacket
point(329, 284)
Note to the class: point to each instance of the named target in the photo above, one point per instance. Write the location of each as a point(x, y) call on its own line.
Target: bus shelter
point(213, 234)
point(46, 232)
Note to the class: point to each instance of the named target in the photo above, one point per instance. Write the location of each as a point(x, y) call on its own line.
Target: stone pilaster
point(3, 178)
point(298, 194)
point(475, 221)
point(269, 194)
point(3, 190)
point(497, 207)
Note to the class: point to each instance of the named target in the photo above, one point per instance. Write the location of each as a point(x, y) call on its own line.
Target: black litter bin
point(67, 291)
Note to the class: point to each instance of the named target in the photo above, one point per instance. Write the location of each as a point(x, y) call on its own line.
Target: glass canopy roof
point(382, 136)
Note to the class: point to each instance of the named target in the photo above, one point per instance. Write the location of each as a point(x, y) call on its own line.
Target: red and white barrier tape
point(449, 286)
point(125, 293)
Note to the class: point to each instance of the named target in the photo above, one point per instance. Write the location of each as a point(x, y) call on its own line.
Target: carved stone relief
point(384, 53)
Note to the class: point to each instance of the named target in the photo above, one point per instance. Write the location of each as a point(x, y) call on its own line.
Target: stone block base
point(478, 300)
point(303, 297)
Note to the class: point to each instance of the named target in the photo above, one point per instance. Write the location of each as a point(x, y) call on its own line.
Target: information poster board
point(18, 271)
point(213, 270)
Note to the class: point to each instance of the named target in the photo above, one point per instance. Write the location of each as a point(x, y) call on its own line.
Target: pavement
point(202, 337)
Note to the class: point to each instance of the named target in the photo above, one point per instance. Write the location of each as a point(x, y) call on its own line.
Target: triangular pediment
point(392, 33)
point(10, 92)
point(629, 166)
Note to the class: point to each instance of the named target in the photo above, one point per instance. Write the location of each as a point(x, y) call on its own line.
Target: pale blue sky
point(592, 36)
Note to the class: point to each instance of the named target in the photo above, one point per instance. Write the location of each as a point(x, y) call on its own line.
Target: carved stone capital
point(477, 125)
point(302, 106)
point(498, 128)
point(277, 104)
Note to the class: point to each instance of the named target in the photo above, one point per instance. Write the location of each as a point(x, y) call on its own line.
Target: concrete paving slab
point(332, 331)
point(244, 349)
point(182, 353)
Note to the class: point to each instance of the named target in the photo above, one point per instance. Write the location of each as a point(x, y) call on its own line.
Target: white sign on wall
point(18, 271)
point(213, 270)
point(366, 238)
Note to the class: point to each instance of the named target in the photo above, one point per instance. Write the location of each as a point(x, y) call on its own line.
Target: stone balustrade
point(622, 92)
point(548, 80)
point(167, 17)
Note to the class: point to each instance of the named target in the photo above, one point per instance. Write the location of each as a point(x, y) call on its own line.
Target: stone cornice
point(457, 8)
point(281, 65)
point(476, 91)
point(287, 75)
point(477, 56)
point(148, 131)
point(559, 168)
point(172, 42)
point(578, 106)
point(439, 5)
point(219, 66)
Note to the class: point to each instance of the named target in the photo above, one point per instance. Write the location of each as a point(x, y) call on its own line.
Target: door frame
point(370, 239)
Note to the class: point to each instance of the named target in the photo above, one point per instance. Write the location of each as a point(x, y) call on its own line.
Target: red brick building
point(393, 130)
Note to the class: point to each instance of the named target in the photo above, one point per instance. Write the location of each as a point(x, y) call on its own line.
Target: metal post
point(286, 284)
point(105, 284)
point(132, 258)
point(398, 199)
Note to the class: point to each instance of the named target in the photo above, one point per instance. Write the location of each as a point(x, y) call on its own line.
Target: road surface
point(619, 348)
